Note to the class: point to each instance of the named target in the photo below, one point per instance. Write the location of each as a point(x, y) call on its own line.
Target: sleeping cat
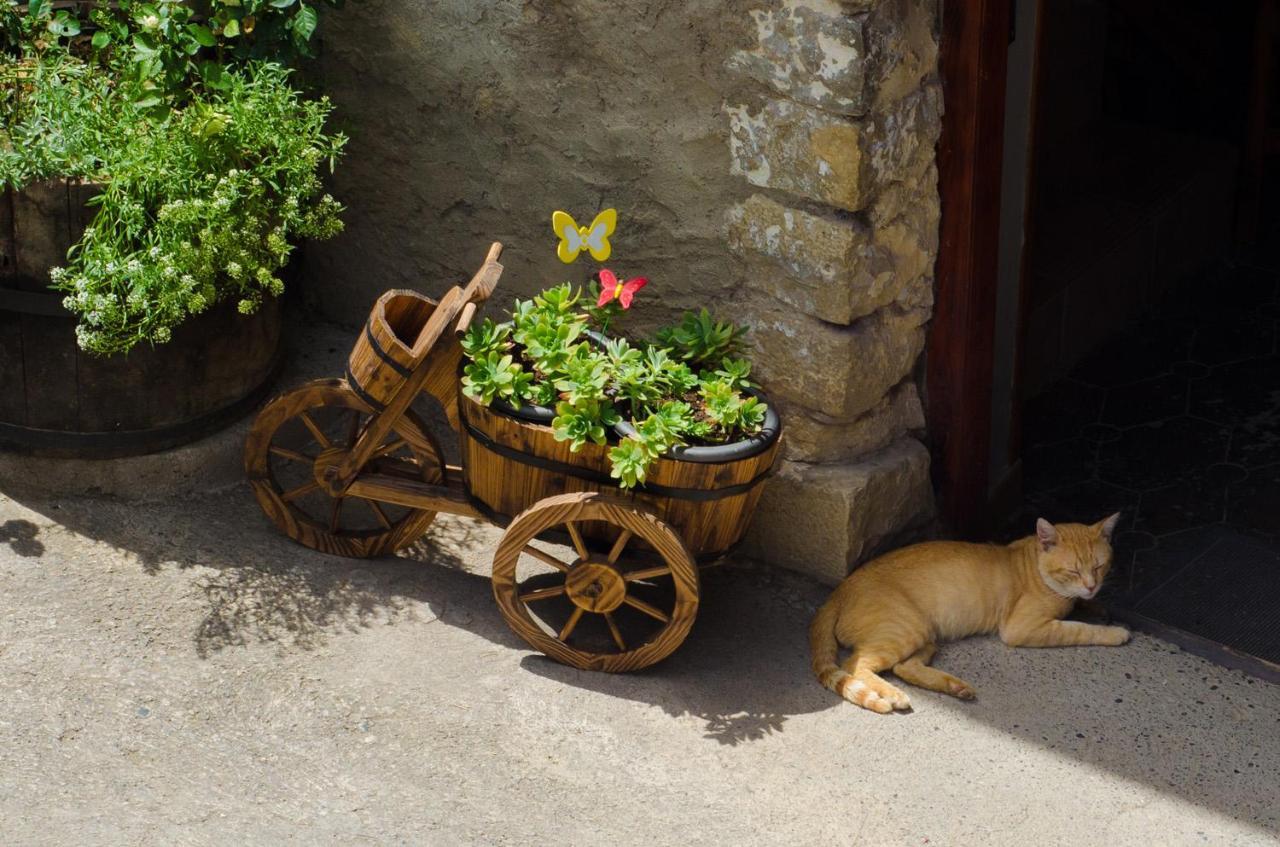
point(894, 610)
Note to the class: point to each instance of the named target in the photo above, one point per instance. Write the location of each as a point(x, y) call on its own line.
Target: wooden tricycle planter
point(345, 466)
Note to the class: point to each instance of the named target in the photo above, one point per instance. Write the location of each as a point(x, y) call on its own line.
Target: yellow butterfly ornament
point(594, 238)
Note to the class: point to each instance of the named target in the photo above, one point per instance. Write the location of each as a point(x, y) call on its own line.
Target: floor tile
point(1155, 455)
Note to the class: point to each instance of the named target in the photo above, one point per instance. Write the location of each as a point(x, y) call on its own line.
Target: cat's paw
point(961, 689)
point(1114, 636)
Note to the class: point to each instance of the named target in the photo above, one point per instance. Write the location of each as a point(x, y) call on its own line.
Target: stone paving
point(179, 673)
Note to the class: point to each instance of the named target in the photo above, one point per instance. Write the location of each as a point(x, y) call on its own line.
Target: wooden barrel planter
point(57, 400)
point(512, 461)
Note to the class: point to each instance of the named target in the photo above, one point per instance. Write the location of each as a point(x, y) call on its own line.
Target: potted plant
point(672, 419)
point(191, 166)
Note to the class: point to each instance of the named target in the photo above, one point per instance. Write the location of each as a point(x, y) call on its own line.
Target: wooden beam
point(958, 369)
point(384, 488)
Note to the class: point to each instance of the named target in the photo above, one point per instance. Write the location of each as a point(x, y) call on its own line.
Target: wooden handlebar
point(464, 320)
point(461, 302)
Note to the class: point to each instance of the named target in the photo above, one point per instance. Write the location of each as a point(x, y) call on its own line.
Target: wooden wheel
point(299, 434)
point(606, 589)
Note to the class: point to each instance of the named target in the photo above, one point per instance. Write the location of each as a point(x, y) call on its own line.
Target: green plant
point(57, 118)
point(168, 49)
point(484, 338)
point(494, 377)
point(594, 382)
point(584, 421)
point(702, 341)
point(196, 207)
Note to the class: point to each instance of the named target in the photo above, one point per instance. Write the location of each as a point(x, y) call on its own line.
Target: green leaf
point(64, 25)
point(144, 47)
point(214, 76)
point(202, 34)
point(282, 4)
point(101, 39)
point(304, 22)
point(38, 9)
point(231, 28)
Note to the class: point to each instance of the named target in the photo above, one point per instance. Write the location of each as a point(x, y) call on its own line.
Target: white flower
point(150, 22)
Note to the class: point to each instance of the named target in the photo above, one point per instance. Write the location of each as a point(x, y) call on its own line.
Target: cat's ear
point(1047, 534)
point(1107, 526)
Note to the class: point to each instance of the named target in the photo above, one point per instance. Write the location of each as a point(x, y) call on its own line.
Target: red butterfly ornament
point(612, 289)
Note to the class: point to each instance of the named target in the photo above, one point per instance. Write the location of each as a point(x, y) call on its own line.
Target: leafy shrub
point(167, 49)
point(197, 206)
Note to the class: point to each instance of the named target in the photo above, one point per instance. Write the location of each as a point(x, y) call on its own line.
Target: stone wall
point(842, 236)
point(773, 161)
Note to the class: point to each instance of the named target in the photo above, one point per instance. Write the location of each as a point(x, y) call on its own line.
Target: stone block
point(810, 51)
point(826, 266)
point(822, 520)
point(814, 438)
point(824, 53)
point(901, 45)
point(800, 149)
point(837, 371)
point(829, 158)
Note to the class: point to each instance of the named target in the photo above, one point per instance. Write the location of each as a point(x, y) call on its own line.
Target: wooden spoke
point(545, 558)
point(542, 593)
point(294, 455)
point(578, 543)
point(646, 608)
point(334, 513)
point(616, 551)
point(355, 428)
point(571, 623)
point(305, 488)
point(316, 433)
point(381, 515)
point(617, 634)
point(388, 449)
point(647, 573)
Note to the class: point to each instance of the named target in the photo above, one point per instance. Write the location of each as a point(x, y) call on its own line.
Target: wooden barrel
point(382, 358)
point(57, 400)
point(510, 464)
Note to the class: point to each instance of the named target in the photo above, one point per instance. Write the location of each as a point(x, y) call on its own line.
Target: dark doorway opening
point(1148, 372)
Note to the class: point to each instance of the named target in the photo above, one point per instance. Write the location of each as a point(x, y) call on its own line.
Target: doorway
point(1135, 291)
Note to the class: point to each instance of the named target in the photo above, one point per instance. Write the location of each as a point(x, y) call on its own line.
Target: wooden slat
point(962, 333)
point(412, 493)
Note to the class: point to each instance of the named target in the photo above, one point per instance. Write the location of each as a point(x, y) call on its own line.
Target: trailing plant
point(198, 206)
point(685, 386)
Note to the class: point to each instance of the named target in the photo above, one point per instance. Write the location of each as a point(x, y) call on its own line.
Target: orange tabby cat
point(894, 610)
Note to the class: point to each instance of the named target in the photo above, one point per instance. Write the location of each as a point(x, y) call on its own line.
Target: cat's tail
point(824, 648)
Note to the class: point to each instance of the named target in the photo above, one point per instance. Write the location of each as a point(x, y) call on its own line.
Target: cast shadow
point(20, 535)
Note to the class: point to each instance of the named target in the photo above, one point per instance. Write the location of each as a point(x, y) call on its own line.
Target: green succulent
point(629, 462)
point(587, 421)
point(700, 340)
point(495, 376)
point(486, 337)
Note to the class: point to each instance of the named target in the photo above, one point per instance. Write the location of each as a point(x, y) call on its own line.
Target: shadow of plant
point(20, 535)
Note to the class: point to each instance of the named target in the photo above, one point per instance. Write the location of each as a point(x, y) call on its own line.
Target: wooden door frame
point(960, 358)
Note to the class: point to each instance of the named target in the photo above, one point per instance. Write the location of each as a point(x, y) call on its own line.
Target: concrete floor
point(179, 673)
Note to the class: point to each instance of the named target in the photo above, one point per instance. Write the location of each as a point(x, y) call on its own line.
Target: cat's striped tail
point(824, 649)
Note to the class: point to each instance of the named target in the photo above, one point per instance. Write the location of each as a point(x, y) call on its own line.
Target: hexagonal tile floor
point(1177, 424)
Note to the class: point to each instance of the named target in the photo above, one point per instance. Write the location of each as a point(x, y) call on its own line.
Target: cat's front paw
point(1114, 636)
